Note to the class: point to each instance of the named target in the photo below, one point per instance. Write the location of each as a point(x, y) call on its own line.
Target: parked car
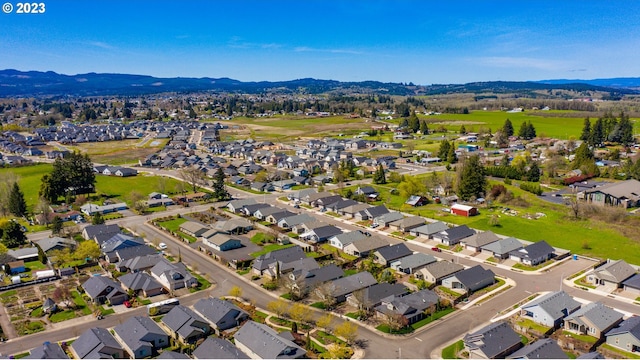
point(162, 246)
point(127, 303)
point(436, 249)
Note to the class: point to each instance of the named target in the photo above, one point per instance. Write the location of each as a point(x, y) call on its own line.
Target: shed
point(463, 210)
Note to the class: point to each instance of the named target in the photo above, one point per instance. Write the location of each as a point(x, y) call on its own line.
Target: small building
point(463, 210)
point(613, 273)
point(222, 242)
point(413, 307)
point(533, 254)
point(470, 280)
point(363, 247)
point(221, 314)
point(593, 319)
point(185, 325)
point(550, 309)
point(494, 341)
point(141, 336)
point(434, 273)
point(626, 335)
point(384, 256)
point(259, 341)
point(417, 200)
point(541, 349)
point(428, 230)
point(412, 263)
point(97, 343)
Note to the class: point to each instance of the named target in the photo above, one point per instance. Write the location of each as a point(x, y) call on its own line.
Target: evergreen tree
point(452, 158)
point(586, 130)
point(583, 156)
point(13, 236)
point(626, 130)
point(404, 123)
point(463, 130)
point(533, 174)
point(219, 190)
point(97, 219)
point(471, 182)
point(527, 131)
point(17, 205)
point(56, 225)
point(379, 176)
point(597, 133)
point(414, 122)
point(443, 151)
point(424, 129)
point(73, 173)
point(507, 128)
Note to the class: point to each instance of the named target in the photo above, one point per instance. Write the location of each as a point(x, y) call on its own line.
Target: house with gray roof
point(494, 341)
point(97, 343)
point(626, 335)
point(141, 336)
point(321, 234)
point(168, 354)
point(102, 289)
point(294, 220)
point(541, 349)
point(434, 273)
point(234, 226)
point(221, 242)
point(259, 341)
point(235, 205)
point(139, 263)
point(56, 243)
point(90, 232)
point(173, 276)
point(363, 247)
point(339, 289)
point(500, 249)
point(263, 213)
point(141, 283)
point(384, 256)
point(593, 319)
point(470, 280)
point(408, 223)
point(632, 284)
point(427, 230)
point(413, 306)
point(453, 235)
point(412, 263)
point(263, 262)
point(352, 210)
point(341, 240)
point(216, 348)
point(369, 298)
point(550, 309)
point(47, 350)
point(533, 254)
point(24, 254)
point(304, 280)
point(625, 194)
point(185, 325)
point(276, 217)
point(476, 241)
point(371, 213)
point(193, 228)
point(613, 273)
point(221, 314)
point(591, 355)
point(248, 210)
point(387, 218)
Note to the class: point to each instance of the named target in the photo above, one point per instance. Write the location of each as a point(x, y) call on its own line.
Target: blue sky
point(424, 42)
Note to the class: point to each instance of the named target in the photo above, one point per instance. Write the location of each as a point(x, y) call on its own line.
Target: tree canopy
point(471, 181)
point(72, 174)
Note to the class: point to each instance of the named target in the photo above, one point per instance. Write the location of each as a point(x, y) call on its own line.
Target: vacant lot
point(120, 152)
point(284, 128)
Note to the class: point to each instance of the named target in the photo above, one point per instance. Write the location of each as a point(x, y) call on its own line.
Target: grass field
point(120, 152)
point(284, 128)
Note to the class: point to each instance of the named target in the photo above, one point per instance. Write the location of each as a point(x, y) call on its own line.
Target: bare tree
point(396, 321)
point(62, 293)
point(574, 205)
point(326, 292)
point(193, 176)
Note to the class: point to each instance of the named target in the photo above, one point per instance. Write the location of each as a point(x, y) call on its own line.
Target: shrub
point(533, 188)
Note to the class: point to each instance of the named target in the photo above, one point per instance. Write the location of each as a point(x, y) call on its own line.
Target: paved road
point(418, 345)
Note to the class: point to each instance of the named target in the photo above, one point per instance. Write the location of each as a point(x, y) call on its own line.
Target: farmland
point(119, 152)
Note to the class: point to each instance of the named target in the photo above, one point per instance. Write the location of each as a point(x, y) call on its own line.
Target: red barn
point(463, 210)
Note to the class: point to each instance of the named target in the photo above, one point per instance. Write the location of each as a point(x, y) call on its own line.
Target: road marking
point(419, 339)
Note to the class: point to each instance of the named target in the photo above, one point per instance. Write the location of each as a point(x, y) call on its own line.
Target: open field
point(120, 152)
point(29, 178)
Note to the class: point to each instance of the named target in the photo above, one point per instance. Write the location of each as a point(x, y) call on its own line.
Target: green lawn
point(269, 248)
point(62, 316)
point(35, 265)
point(527, 323)
point(173, 225)
point(452, 350)
point(430, 318)
point(202, 283)
point(144, 184)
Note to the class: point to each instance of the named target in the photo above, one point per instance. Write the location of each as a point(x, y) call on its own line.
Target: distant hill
point(15, 83)
point(629, 82)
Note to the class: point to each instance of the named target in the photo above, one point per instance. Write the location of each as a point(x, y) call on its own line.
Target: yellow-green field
point(120, 152)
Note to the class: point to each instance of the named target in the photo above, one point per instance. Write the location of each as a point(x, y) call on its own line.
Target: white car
point(162, 246)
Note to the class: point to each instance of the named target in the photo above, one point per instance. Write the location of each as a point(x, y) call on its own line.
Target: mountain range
point(15, 83)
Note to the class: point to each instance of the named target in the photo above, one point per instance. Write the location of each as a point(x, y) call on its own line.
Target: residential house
point(494, 341)
point(540, 349)
point(625, 194)
point(385, 219)
point(324, 202)
point(371, 213)
point(221, 242)
point(413, 307)
point(369, 298)
point(550, 309)
point(368, 191)
point(141, 283)
point(99, 233)
point(434, 273)
point(384, 256)
point(417, 200)
point(56, 243)
point(262, 213)
point(276, 217)
point(613, 273)
point(478, 240)
point(341, 240)
point(15, 267)
point(412, 263)
point(593, 319)
point(291, 221)
point(234, 226)
point(470, 280)
point(236, 205)
point(339, 289)
point(363, 247)
point(221, 314)
point(25, 254)
point(102, 289)
point(216, 348)
point(453, 235)
point(321, 234)
point(428, 230)
point(341, 204)
point(408, 223)
point(352, 210)
point(97, 343)
point(263, 262)
point(173, 276)
point(533, 254)
point(47, 350)
point(139, 263)
point(632, 284)
point(502, 248)
point(303, 280)
point(259, 341)
point(193, 228)
point(626, 335)
point(185, 325)
point(141, 336)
